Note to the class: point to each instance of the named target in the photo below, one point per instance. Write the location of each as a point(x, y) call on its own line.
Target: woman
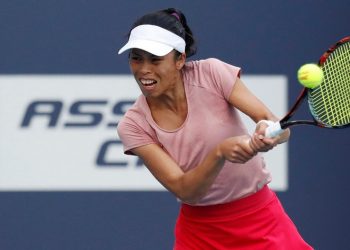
point(186, 129)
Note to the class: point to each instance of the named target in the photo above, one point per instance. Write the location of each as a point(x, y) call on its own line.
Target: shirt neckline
point(149, 116)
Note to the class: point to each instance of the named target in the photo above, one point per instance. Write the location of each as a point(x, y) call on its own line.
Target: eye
point(135, 57)
point(156, 59)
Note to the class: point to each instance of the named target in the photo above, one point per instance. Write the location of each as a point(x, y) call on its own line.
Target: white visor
point(154, 39)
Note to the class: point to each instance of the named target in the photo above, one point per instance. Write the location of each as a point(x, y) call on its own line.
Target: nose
point(145, 67)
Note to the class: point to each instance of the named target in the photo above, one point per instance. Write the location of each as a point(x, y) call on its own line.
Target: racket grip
point(274, 129)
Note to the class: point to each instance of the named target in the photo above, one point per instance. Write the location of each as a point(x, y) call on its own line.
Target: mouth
point(147, 82)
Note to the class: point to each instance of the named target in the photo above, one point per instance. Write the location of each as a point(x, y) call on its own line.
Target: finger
point(257, 141)
point(261, 127)
point(271, 141)
point(253, 144)
point(256, 145)
point(240, 159)
point(263, 144)
point(247, 151)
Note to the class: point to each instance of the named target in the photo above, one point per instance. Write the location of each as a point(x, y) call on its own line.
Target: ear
point(180, 61)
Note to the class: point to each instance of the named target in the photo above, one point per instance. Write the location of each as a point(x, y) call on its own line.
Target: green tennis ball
point(310, 75)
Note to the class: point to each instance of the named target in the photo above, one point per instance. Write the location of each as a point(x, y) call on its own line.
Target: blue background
point(263, 37)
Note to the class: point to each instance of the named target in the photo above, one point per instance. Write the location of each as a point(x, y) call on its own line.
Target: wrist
point(218, 152)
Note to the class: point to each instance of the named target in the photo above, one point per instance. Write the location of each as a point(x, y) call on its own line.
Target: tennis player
point(186, 129)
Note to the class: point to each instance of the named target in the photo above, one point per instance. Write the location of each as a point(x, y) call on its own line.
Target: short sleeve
point(223, 76)
point(134, 132)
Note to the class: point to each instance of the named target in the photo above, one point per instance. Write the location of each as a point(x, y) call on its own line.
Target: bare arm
point(249, 104)
point(192, 185)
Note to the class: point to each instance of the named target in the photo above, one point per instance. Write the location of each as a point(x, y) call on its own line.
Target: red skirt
point(251, 223)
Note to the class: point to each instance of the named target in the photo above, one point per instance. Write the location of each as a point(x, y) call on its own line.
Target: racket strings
point(337, 97)
point(330, 102)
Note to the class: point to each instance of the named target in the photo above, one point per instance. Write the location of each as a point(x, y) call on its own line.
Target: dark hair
point(173, 20)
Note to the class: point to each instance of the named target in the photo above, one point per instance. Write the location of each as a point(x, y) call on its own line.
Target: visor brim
point(153, 47)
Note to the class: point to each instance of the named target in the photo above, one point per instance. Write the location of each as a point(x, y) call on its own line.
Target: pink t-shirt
point(210, 120)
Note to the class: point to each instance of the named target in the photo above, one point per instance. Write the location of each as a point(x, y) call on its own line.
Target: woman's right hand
point(237, 149)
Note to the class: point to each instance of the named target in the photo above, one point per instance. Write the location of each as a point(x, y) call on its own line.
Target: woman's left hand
point(259, 142)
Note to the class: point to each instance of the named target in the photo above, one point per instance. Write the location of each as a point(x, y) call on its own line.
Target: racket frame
point(284, 123)
point(276, 128)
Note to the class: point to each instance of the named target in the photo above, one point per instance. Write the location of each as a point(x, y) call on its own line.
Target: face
point(155, 75)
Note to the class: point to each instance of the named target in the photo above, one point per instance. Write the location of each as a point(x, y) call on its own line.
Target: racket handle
point(274, 129)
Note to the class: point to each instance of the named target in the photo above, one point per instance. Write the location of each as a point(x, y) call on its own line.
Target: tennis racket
point(329, 103)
